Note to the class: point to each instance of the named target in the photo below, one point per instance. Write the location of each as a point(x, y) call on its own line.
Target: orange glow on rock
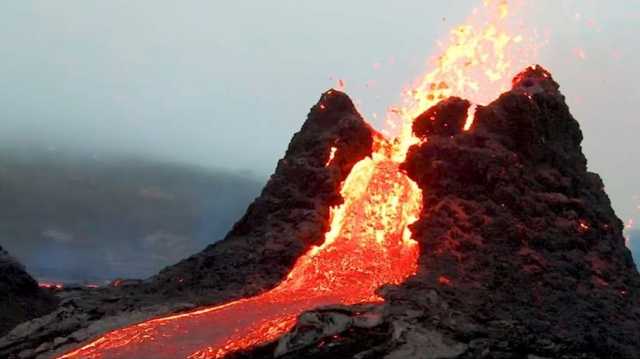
point(368, 244)
point(584, 225)
point(444, 280)
point(50, 285)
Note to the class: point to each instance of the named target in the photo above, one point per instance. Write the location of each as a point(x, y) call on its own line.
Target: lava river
point(368, 245)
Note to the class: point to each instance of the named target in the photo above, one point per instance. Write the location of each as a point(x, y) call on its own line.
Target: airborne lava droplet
point(583, 226)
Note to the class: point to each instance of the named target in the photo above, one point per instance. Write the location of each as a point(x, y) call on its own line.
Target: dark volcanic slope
point(521, 253)
point(524, 232)
point(20, 297)
point(291, 214)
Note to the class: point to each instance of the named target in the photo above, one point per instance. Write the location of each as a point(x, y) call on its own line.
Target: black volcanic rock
point(521, 256)
point(525, 234)
point(446, 118)
point(21, 298)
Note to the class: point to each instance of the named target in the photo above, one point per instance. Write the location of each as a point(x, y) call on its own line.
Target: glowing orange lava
point(368, 244)
point(476, 63)
point(50, 285)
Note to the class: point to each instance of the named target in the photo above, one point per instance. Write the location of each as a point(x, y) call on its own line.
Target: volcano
point(476, 232)
point(488, 239)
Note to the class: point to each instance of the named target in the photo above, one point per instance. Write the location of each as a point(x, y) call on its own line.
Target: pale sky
point(227, 83)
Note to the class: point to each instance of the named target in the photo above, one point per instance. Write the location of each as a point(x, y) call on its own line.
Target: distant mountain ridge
point(74, 218)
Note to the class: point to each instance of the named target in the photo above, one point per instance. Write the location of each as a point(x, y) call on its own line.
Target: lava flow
point(368, 244)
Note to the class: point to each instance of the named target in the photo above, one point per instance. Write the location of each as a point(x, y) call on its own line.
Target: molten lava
point(368, 244)
point(476, 63)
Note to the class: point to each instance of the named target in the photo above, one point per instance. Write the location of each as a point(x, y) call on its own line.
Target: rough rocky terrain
point(522, 255)
point(21, 298)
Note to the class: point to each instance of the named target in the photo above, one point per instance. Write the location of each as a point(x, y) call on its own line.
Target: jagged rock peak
point(534, 121)
point(446, 118)
point(292, 212)
point(534, 79)
point(333, 122)
point(334, 101)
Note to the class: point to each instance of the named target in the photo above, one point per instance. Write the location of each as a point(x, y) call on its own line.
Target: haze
point(226, 84)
